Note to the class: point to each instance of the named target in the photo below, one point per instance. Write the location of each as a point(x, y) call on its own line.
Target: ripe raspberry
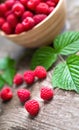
point(40, 72)
point(46, 93)
point(51, 9)
point(39, 17)
point(56, 1)
point(8, 13)
point(18, 79)
point(6, 94)
point(3, 9)
point(23, 95)
point(42, 8)
point(31, 4)
point(2, 21)
point(29, 77)
point(12, 20)
point(27, 14)
point(9, 3)
point(6, 28)
point(18, 9)
point(24, 2)
point(19, 28)
point(32, 106)
point(28, 23)
point(50, 3)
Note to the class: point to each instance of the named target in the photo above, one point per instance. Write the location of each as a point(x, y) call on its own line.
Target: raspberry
point(32, 106)
point(24, 2)
point(27, 14)
point(51, 9)
point(42, 8)
point(9, 3)
point(56, 1)
point(29, 77)
point(3, 9)
point(40, 72)
point(6, 28)
point(6, 94)
point(50, 3)
point(19, 28)
point(23, 94)
point(31, 4)
point(39, 17)
point(12, 20)
point(46, 93)
point(18, 79)
point(8, 13)
point(2, 21)
point(18, 9)
point(28, 23)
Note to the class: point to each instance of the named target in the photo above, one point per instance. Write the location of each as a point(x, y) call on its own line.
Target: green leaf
point(2, 82)
point(66, 74)
point(67, 43)
point(6, 63)
point(44, 56)
point(8, 76)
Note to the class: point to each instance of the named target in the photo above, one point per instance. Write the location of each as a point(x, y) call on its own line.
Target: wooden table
point(62, 113)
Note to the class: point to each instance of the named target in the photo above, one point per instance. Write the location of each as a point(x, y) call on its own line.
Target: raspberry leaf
point(2, 82)
point(67, 43)
point(66, 74)
point(8, 76)
point(44, 56)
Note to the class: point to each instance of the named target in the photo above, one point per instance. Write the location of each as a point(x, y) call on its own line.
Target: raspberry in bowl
point(34, 23)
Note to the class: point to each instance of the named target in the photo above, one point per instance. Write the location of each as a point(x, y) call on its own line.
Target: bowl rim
point(37, 26)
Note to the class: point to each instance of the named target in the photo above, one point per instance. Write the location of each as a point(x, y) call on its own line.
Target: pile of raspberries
point(31, 105)
point(17, 16)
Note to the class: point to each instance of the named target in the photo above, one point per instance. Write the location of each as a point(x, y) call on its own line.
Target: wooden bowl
point(43, 33)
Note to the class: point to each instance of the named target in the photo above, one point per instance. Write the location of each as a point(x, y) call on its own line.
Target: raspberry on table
point(19, 28)
point(18, 9)
point(6, 93)
point(6, 28)
point(23, 95)
point(12, 20)
point(2, 21)
point(46, 93)
point(18, 79)
point(32, 106)
point(28, 23)
point(39, 17)
point(31, 4)
point(27, 14)
point(40, 72)
point(29, 77)
point(42, 8)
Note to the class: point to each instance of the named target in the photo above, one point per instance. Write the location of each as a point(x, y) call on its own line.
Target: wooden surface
point(62, 113)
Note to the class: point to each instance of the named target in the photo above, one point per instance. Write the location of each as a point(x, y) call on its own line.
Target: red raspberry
point(46, 93)
point(51, 9)
point(28, 23)
point(3, 9)
point(8, 13)
point(40, 72)
point(50, 3)
point(23, 94)
point(18, 79)
point(19, 28)
point(27, 14)
point(56, 1)
point(24, 2)
point(31, 4)
point(29, 77)
point(42, 8)
point(12, 20)
point(2, 21)
point(18, 9)
point(9, 3)
point(32, 106)
point(6, 28)
point(6, 94)
point(39, 17)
